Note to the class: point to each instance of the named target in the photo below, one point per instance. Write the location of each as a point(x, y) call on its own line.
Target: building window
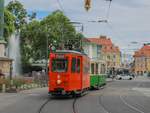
point(108, 57)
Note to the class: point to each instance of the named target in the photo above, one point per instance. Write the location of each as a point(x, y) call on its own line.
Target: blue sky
point(129, 19)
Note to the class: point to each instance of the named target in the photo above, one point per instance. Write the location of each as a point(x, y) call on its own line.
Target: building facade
point(142, 60)
point(109, 52)
point(93, 50)
point(5, 66)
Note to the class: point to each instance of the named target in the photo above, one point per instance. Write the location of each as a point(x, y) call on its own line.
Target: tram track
point(130, 106)
point(102, 105)
point(74, 105)
point(44, 104)
point(48, 100)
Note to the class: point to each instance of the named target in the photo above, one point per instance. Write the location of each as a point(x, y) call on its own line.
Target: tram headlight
point(58, 81)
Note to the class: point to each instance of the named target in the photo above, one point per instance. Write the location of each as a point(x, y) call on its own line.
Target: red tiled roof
point(111, 48)
point(107, 45)
point(144, 51)
point(102, 40)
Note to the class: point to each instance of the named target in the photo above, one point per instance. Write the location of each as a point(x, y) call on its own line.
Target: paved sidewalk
point(8, 99)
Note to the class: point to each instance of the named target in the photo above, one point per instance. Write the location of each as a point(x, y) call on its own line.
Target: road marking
point(145, 91)
point(102, 106)
point(132, 107)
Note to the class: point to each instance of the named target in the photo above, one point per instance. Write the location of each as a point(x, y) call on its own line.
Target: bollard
point(3, 88)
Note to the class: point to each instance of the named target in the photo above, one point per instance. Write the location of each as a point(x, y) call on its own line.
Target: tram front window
point(59, 65)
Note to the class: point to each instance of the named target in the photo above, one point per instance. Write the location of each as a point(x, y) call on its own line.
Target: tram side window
point(78, 65)
point(75, 67)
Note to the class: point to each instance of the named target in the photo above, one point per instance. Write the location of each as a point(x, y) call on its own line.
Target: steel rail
point(73, 105)
point(43, 105)
point(102, 105)
point(130, 106)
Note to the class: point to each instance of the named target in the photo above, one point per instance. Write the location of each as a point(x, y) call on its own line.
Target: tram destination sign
point(60, 56)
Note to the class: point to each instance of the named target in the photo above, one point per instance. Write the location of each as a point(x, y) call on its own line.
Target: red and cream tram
point(68, 72)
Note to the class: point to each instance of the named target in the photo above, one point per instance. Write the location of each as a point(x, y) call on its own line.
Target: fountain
point(14, 53)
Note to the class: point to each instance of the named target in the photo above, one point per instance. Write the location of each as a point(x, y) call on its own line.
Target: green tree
point(9, 24)
point(56, 28)
point(32, 16)
point(30, 35)
point(20, 13)
point(59, 27)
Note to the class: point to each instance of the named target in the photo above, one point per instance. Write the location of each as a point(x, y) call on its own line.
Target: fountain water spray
point(14, 53)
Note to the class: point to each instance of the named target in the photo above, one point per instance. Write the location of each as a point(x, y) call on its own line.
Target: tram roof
point(69, 51)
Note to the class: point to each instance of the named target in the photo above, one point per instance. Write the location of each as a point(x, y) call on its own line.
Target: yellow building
point(142, 60)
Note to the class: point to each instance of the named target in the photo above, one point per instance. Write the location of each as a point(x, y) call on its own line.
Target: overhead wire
point(61, 6)
point(109, 25)
point(112, 28)
point(108, 9)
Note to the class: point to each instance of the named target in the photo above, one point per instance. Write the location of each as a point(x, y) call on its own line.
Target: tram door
point(76, 72)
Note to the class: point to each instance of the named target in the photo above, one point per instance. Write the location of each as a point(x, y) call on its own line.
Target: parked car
point(124, 77)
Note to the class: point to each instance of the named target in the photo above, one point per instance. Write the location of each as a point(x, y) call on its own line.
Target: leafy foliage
point(9, 24)
point(20, 13)
point(32, 16)
point(56, 28)
point(30, 42)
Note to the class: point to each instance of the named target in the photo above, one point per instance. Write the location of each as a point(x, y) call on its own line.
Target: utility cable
point(108, 10)
point(61, 7)
point(112, 29)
